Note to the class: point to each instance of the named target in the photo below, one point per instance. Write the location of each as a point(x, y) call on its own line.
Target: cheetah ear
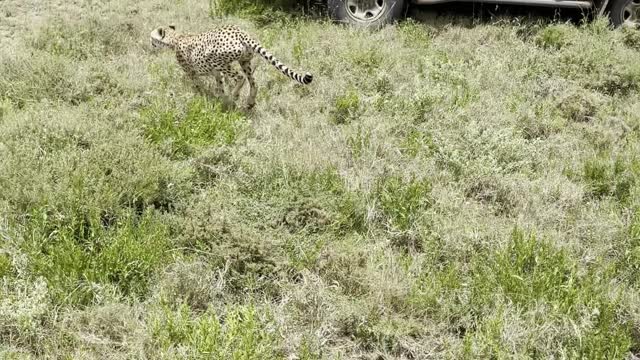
point(172, 27)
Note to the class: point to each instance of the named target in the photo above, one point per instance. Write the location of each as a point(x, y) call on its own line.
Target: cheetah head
point(163, 37)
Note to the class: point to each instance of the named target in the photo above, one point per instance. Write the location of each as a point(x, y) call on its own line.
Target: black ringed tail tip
point(307, 79)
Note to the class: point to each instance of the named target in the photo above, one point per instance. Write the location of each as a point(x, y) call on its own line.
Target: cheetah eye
point(161, 32)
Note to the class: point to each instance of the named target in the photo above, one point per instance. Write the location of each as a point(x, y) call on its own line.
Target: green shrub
point(84, 201)
point(203, 124)
point(416, 141)
point(402, 201)
point(610, 177)
point(75, 252)
point(421, 108)
point(304, 252)
point(308, 351)
point(618, 80)
point(416, 34)
point(246, 7)
point(529, 271)
point(302, 201)
point(345, 266)
point(554, 37)
point(264, 12)
point(347, 108)
point(523, 275)
point(6, 268)
point(61, 161)
point(631, 37)
point(368, 60)
point(352, 213)
point(383, 85)
point(241, 332)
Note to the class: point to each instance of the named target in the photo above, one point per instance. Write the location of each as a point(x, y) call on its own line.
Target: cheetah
point(214, 52)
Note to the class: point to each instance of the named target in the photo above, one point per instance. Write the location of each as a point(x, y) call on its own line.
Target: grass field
point(444, 189)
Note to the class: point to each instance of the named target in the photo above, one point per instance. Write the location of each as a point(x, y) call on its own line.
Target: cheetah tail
point(305, 79)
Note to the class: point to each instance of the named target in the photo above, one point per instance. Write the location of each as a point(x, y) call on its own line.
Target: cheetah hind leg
point(219, 90)
point(253, 90)
point(236, 80)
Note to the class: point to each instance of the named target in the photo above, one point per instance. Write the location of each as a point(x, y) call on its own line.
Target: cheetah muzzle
point(214, 52)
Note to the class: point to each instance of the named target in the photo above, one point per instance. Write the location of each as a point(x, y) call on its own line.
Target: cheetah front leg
point(196, 82)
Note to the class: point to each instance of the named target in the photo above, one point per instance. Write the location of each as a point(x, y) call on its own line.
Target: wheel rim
point(367, 10)
point(631, 13)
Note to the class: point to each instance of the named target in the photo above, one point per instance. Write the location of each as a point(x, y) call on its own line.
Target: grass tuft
point(610, 177)
point(553, 37)
point(85, 39)
point(76, 254)
point(203, 123)
point(402, 201)
point(243, 333)
point(631, 37)
point(347, 108)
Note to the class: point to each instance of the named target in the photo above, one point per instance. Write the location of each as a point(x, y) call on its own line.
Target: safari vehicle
point(376, 13)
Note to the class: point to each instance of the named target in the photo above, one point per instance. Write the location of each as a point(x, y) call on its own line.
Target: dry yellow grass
point(444, 189)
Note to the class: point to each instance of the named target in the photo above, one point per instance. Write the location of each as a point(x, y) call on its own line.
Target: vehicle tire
point(366, 13)
point(625, 12)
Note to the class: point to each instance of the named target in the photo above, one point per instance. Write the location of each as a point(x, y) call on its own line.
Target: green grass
point(202, 124)
point(401, 202)
point(84, 250)
point(241, 334)
point(452, 188)
point(346, 108)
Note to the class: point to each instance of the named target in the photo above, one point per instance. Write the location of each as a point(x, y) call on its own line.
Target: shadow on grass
point(470, 14)
point(466, 14)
